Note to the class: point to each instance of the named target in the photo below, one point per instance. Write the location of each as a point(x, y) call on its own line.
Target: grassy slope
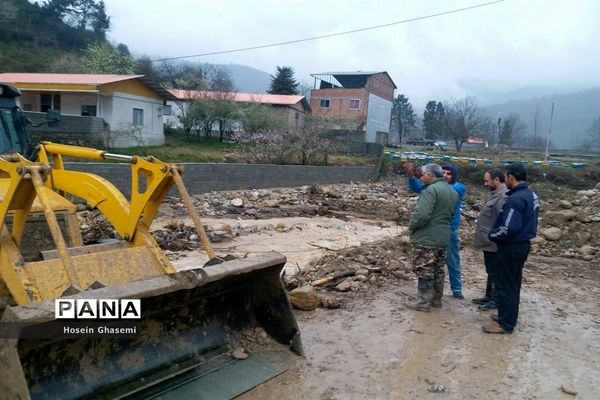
point(185, 148)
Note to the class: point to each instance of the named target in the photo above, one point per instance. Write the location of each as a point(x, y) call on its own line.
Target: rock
point(304, 298)
point(272, 203)
point(436, 388)
point(225, 228)
point(569, 215)
point(583, 217)
point(583, 237)
point(539, 240)
point(588, 193)
point(586, 249)
point(598, 186)
point(280, 227)
point(239, 353)
point(565, 204)
point(568, 390)
point(330, 302)
point(559, 218)
point(237, 202)
point(404, 240)
point(345, 286)
point(551, 233)
point(587, 257)
point(330, 192)
point(401, 275)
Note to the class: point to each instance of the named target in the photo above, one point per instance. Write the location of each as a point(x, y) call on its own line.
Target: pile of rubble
point(570, 228)
point(350, 271)
point(94, 227)
point(382, 199)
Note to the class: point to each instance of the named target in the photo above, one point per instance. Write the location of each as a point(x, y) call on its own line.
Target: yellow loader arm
point(71, 270)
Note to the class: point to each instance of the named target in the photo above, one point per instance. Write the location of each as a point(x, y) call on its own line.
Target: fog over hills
point(573, 114)
point(248, 79)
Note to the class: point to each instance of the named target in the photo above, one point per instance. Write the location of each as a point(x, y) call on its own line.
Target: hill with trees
point(69, 36)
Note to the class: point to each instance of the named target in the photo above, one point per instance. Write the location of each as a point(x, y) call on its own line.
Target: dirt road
point(377, 349)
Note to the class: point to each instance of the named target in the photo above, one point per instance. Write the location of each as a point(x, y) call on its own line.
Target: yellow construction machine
point(191, 321)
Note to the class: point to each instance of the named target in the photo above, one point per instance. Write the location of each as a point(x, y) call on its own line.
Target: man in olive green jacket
point(429, 234)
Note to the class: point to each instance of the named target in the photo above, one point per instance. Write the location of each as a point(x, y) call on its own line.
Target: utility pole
point(499, 129)
point(535, 123)
point(549, 134)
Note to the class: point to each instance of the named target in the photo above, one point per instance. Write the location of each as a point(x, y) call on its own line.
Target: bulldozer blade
point(203, 333)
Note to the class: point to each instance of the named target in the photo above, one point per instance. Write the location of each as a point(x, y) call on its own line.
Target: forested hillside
point(69, 36)
point(38, 38)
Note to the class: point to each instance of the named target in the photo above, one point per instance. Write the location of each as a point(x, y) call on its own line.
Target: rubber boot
point(425, 289)
point(438, 291)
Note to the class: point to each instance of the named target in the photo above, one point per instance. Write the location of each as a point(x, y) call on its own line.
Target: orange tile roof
point(238, 97)
point(80, 79)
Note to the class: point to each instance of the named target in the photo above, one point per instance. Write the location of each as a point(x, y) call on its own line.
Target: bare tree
point(310, 144)
point(223, 108)
point(593, 137)
point(462, 120)
point(514, 131)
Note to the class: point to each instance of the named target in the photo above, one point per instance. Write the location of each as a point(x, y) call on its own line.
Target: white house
point(125, 103)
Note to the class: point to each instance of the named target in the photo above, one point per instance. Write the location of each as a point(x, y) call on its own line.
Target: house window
point(138, 117)
point(354, 104)
point(324, 103)
point(88, 111)
point(49, 101)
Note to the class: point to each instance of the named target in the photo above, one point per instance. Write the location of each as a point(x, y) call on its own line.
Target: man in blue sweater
point(452, 257)
point(512, 231)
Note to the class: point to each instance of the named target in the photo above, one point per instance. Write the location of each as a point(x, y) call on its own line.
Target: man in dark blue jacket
point(514, 227)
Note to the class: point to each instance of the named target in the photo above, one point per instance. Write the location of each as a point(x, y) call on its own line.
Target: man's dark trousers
point(488, 258)
point(507, 274)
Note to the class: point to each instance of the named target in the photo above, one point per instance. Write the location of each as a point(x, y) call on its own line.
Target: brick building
point(365, 97)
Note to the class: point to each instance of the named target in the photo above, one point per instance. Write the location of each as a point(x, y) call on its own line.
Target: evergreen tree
point(429, 120)
point(403, 115)
point(283, 82)
point(433, 119)
point(506, 133)
point(82, 14)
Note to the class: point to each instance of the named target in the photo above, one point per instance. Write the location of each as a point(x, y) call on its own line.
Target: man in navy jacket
point(512, 231)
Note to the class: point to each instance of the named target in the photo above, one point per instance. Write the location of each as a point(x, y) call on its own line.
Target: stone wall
point(72, 129)
point(206, 177)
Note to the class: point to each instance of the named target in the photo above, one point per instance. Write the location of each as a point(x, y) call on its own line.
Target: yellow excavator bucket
point(211, 332)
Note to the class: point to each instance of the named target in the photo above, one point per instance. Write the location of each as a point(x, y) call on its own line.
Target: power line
point(332, 34)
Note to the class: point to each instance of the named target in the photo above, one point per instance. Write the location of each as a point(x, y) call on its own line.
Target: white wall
point(378, 117)
point(121, 119)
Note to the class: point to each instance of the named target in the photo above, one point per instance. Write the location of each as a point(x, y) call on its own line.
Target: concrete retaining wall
point(206, 177)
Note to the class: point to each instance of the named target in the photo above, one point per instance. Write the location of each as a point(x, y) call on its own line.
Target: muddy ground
point(369, 346)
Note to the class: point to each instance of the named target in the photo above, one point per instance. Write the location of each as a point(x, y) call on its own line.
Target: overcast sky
point(503, 46)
